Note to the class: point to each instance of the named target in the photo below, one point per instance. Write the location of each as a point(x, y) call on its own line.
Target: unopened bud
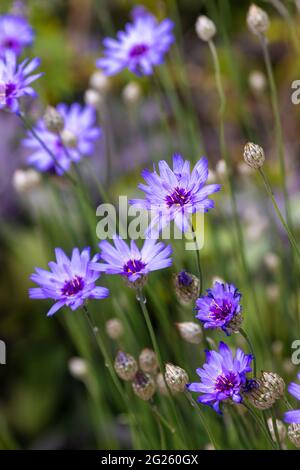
point(257, 81)
point(187, 286)
point(257, 20)
point(53, 120)
point(24, 180)
point(78, 367)
point(131, 93)
point(125, 366)
point(143, 385)
point(280, 428)
point(263, 392)
point(161, 384)
point(148, 361)
point(100, 82)
point(205, 28)
point(254, 155)
point(114, 328)
point(190, 331)
point(294, 434)
point(93, 98)
point(68, 138)
point(176, 378)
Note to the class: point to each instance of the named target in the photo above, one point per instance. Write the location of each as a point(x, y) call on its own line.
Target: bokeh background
point(41, 404)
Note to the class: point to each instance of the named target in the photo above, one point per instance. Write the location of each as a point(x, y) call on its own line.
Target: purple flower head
point(293, 416)
point(15, 80)
point(223, 377)
point(15, 34)
point(175, 194)
point(80, 130)
point(132, 262)
point(219, 306)
point(140, 47)
point(70, 282)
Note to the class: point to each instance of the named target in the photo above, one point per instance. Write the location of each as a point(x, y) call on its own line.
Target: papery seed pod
point(131, 93)
point(100, 82)
point(68, 138)
point(187, 286)
point(254, 155)
point(78, 367)
point(114, 328)
point(264, 391)
point(281, 430)
point(274, 383)
point(235, 324)
point(257, 20)
point(53, 120)
point(205, 28)
point(24, 180)
point(148, 361)
point(161, 384)
point(93, 98)
point(125, 366)
point(294, 434)
point(143, 385)
point(138, 284)
point(176, 378)
point(257, 81)
point(190, 331)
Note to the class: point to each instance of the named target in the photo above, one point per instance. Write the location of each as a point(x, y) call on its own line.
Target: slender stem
point(260, 424)
point(161, 418)
point(249, 342)
point(198, 260)
point(278, 212)
point(275, 428)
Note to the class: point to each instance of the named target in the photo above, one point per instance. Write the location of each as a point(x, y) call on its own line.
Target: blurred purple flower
point(140, 47)
point(176, 194)
point(131, 262)
point(293, 416)
point(15, 34)
point(74, 142)
point(70, 282)
point(219, 306)
point(15, 80)
point(223, 377)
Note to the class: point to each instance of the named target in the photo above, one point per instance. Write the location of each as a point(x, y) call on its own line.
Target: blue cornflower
point(293, 416)
point(223, 377)
point(76, 139)
point(15, 34)
point(15, 80)
point(132, 262)
point(70, 282)
point(140, 47)
point(175, 194)
point(220, 307)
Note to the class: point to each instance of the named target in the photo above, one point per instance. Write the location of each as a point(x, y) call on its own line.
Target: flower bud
point(78, 367)
point(257, 20)
point(125, 366)
point(264, 391)
point(176, 378)
point(53, 120)
point(280, 428)
point(68, 138)
point(131, 93)
point(257, 81)
point(148, 361)
point(205, 28)
point(114, 328)
point(187, 287)
point(190, 331)
point(24, 180)
point(254, 155)
point(294, 434)
point(93, 98)
point(161, 384)
point(143, 385)
point(100, 82)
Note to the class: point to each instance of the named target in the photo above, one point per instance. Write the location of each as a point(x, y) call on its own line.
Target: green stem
point(275, 428)
point(249, 342)
point(198, 260)
point(260, 424)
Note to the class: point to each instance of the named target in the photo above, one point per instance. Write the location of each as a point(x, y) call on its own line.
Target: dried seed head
point(205, 28)
point(294, 434)
point(138, 284)
point(264, 391)
point(176, 378)
point(68, 138)
point(114, 328)
point(281, 430)
point(187, 287)
point(143, 385)
point(53, 120)
point(24, 180)
point(257, 20)
point(93, 98)
point(254, 155)
point(100, 82)
point(161, 384)
point(125, 366)
point(190, 331)
point(148, 361)
point(257, 81)
point(131, 93)
point(235, 324)
point(78, 367)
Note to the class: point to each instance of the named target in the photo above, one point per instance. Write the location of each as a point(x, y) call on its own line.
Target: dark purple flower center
point(179, 197)
point(11, 43)
point(73, 287)
point(138, 49)
point(184, 279)
point(221, 309)
point(133, 266)
point(10, 89)
point(226, 383)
